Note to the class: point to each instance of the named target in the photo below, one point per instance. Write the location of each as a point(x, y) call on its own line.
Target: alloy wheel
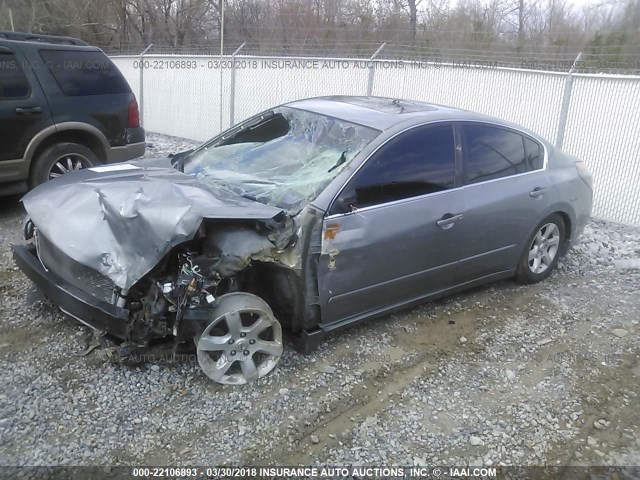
point(71, 162)
point(544, 248)
point(243, 342)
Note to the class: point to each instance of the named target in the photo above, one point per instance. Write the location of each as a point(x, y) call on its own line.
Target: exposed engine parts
point(196, 273)
point(196, 280)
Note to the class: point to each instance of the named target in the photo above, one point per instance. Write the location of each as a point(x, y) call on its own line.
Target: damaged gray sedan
point(305, 219)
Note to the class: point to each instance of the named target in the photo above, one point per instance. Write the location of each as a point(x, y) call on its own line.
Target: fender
point(42, 135)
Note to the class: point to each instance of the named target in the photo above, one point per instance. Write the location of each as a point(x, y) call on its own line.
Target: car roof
point(383, 113)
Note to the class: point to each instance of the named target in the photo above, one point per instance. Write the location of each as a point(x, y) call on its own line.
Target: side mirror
point(345, 204)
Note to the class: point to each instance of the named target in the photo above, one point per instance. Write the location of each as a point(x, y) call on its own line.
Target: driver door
point(390, 238)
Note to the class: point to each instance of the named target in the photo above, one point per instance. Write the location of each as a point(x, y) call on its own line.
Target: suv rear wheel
point(59, 159)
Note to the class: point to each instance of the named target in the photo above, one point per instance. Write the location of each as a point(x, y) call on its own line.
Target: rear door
point(23, 111)
point(393, 237)
point(506, 193)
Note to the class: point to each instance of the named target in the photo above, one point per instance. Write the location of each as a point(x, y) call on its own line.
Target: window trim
point(456, 170)
point(465, 149)
point(460, 158)
point(24, 75)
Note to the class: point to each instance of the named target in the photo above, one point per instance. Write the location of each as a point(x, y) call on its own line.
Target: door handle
point(538, 192)
point(448, 220)
point(28, 110)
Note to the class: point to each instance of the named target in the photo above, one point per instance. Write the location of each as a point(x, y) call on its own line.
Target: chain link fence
point(592, 116)
point(460, 47)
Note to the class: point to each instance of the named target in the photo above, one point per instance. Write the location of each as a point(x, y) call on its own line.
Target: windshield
point(283, 158)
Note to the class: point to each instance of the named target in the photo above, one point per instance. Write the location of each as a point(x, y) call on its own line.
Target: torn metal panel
point(238, 247)
point(123, 221)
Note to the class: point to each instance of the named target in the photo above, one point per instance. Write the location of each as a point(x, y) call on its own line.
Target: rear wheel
point(543, 250)
point(242, 342)
point(61, 158)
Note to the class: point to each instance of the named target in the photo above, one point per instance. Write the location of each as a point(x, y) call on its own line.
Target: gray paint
point(375, 259)
point(122, 223)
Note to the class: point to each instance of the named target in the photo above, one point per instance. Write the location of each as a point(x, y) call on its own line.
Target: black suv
point(63, 106)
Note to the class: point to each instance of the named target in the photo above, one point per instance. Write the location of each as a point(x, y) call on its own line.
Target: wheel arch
point(74, 132)
point(280, 287)
point(568, 215)
point(565, 214)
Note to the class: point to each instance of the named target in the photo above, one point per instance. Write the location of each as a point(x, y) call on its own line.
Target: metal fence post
point(566, 98)
point(372, 69)
point(232, 87)
point(141, 65)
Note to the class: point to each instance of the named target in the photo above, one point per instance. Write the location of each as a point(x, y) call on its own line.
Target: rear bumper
point(135, 135)
point(133, 149)
point(87, 309)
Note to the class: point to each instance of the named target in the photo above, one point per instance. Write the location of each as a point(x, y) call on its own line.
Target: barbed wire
point(559, 59)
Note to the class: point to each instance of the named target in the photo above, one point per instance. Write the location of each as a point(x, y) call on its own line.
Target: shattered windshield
point(283, 158)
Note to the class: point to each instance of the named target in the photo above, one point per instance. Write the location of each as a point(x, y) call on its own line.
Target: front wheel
point(242, 342)
point(543, 250)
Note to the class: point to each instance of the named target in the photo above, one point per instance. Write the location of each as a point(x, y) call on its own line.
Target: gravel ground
point(503, 374)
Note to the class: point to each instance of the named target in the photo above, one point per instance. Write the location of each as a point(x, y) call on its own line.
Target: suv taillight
point(134, 114)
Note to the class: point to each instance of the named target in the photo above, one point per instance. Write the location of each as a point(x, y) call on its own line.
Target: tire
point(243, 341)
point(59, 157)
point(542, 250)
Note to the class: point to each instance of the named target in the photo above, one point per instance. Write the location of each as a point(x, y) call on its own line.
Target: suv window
point(13, 83)
point(414, 163)
point(493, 152)
point(84, 73)
point(535, 154)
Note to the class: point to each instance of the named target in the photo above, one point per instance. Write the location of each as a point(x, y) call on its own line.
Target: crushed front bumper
point(91, 311)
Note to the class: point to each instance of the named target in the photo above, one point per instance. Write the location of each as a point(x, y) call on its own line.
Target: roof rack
point(36, 37)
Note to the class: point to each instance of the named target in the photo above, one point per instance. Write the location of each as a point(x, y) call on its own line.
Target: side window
point(492, 152)
point(415, 163)
point(13, 83)
point(535, 154)
point(84, 73)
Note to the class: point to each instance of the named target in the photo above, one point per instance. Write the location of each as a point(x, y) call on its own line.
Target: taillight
point(134, 114)
point(584, 173)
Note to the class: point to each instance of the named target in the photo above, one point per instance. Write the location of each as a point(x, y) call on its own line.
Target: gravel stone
point(620, 332)
point(540, 369)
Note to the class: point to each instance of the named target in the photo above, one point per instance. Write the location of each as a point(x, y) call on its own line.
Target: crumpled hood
point(122, 219)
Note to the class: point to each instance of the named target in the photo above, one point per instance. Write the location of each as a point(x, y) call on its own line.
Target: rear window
point(84, 73)
point(13, 84)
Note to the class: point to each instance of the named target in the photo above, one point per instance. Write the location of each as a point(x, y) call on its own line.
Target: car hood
point(122, 219)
